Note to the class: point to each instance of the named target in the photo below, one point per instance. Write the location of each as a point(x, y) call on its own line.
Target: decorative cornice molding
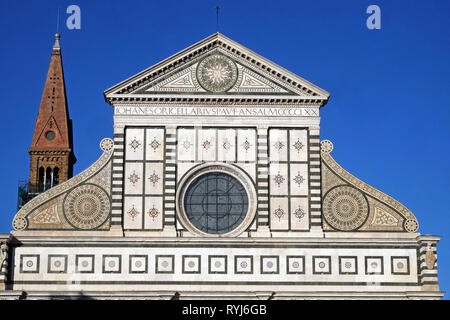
point(225, 45)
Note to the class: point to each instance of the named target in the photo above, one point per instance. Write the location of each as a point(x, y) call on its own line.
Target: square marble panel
point(191, 264)
point(374, 265)
point(299, 214)
point(134, 144)
point(278, 145)
point(226, 139)
point(243, 264)
point(298, 145)
point(348, 265)
point(206, 144)
point(29, 263)
point(154, 178)
point(154, 144)
point(246, 147)
point(270, 264)
point(164, 264)
point(134, 176)
point(278, 179)
point(295, 264)
point(112, 264)
point(299, 179)
point(132, 213)
point(400, 265)
point(217, 264)
point(186, 144)
point(138, 263)
point(322, 265)
point(153, 218)
point(84, 263)
point(279, 213)
point(57, 264)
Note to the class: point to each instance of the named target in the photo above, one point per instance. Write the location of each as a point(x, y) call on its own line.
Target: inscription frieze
point(217, 111)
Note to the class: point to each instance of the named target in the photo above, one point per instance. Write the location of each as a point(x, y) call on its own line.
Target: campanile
point(51, 151)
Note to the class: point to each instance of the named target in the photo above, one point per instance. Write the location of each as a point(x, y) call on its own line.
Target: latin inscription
point(217, 111)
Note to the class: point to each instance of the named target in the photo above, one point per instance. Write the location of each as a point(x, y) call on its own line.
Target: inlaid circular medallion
point(345, 208)
point(217, 73)
point(20, 223)
point(107, 144)
point(87, 207)
point(326, 146)
point(411, 225)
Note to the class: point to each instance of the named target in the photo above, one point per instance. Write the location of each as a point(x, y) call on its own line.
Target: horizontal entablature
point(217, 111)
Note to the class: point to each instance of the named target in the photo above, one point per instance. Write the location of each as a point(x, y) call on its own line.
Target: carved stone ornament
point(87, 207)
point(217, 73)
point(21, 221)
point(3, 254)
point(381, 218)
point(430, 258)
point(345, 208)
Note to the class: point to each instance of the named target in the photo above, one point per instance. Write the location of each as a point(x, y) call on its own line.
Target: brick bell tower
point(51, 151)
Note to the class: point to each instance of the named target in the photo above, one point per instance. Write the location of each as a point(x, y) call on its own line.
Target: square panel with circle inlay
point(29, 263)
point(322, 265)
point(57, 263)
point(217, 264)
point(138, 264)
point(164, 263)
point(374, 265)
point(112, 264)
point(295, 264)
point(84, 263)
point(243, 264)
point(270, 264)
point(191, 264)
point(400, 265)
point(348, 265)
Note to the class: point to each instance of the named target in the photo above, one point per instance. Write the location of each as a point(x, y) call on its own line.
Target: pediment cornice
point(292, 87)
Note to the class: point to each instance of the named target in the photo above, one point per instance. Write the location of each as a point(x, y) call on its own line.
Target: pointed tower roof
point(53, 128)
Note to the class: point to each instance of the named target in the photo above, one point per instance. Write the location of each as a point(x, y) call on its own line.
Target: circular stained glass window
point(50, 135)
point(216, 203)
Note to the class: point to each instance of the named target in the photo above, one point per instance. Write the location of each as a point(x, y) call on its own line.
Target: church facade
point(217, 184)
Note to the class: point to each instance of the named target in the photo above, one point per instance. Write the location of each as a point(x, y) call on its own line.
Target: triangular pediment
point(216, 67)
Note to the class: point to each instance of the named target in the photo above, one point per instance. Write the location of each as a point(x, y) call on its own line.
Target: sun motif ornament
point(246, 145)
point(133, 213)
point(154, 144)
point(299, 179)
point(345, 208)
point(217, 73)
point(278, 145)
point(279, 213)
point(279, 179)
point(135, 144)
point(226, 145)
point(206, 144)
point(86, 207)
point(299, 213)
point(298, 145)
point(154, 178)
point(134, 178)
point(153, 212)
point(187, 144)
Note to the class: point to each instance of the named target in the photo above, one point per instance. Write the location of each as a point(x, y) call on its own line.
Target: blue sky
point(388, 114)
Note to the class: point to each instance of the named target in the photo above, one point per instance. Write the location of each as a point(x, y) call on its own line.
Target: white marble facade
point(308, 230)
